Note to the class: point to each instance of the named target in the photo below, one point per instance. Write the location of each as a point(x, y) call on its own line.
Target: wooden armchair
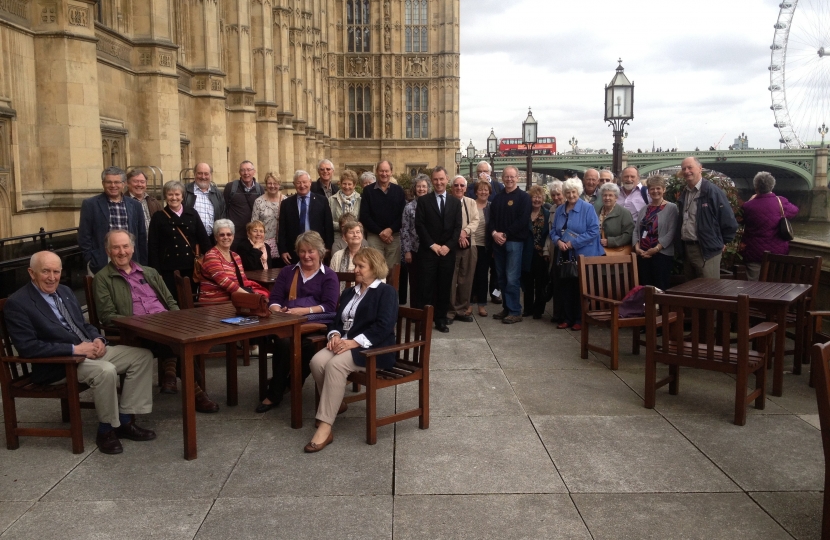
point(698, 349)
point(821, 367)
point(604, 282)
point(109, 331)
point(15, 382)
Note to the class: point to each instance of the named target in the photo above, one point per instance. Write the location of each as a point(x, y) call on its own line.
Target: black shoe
point(495, 300)
point(134, 433)
point(501, 315)
point(265, 407)
point(448, 321)
point(442, 328)
point(464, 318)
point(108, 443)
point(537, 316)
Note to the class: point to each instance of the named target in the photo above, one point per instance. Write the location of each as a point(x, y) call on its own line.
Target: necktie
point(303, 212)
point(65, 313)
point(441, 204)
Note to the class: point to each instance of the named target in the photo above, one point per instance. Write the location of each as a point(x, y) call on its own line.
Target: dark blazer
point(432, 228)
point(251, 258)
point(319, 219)
point(36, 332)
point(95, 224)
point(168, 250)
point(317, 187)
point(375, 318)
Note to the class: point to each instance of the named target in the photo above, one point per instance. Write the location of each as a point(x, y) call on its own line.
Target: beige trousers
point(695, 267)
point(391, 252)
point(330, 372)
point(462, 280)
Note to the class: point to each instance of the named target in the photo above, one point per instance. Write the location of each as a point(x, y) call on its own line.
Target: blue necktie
point(65, 313)
point(303, 212)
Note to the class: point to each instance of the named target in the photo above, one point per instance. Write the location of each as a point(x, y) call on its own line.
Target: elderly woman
point(762, 212)
point(341, 243)
point(343, 260)
point(365, 319)
point(254, 252)
point(409, 238)
point(173, 237)
point(345, 201)
point(535, 255)
point(654, 238)
point(481, 240)
point(575, 232)
point(267, 210)
point(615, 222)
point(222, 271)
point(557, 199)
point(307, 288)
point(367, 179)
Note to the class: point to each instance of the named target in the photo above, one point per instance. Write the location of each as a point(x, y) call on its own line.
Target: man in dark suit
point(324, 185)
point(301, 212)
point(438, 224)
point(44, 320)
point(110, 210)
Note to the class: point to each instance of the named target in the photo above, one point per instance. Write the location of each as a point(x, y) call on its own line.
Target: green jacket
point(112, 293)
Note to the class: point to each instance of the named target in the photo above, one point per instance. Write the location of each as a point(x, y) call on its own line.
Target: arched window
point(417, 111)
point(357, 25)
point(415, 26)
point(360, 111)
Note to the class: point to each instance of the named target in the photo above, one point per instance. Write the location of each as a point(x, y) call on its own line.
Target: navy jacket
point(36, 332)
point(317, 187)
point(319, 219)
point(95, 224)
point(375, 318)
point(432, 227)
point(716, 224)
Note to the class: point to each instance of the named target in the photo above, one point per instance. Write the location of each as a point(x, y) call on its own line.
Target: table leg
point(800, 336)
point(296, 379)
point(778, 365)
point(188, 404)
point(265, 348)
point(230, 368)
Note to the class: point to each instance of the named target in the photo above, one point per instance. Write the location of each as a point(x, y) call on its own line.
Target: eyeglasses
point(225, 235)
point(459, 185)
point(247, 170)
point(113, 183)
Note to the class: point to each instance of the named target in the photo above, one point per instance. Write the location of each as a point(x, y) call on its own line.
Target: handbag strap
point(781, 206)
point(238, 273)
point(185, 237)
point(292, 292)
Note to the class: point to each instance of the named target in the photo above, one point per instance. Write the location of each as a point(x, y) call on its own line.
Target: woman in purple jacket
point(762, 213)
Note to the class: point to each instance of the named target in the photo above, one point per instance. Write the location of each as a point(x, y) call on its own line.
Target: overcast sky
point(699, 70)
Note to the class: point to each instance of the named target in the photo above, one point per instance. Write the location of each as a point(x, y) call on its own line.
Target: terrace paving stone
point(811, 419)
point(541, 352)
point(799, 512)
point(473, 353)
point(10, 512)
point(464, 393)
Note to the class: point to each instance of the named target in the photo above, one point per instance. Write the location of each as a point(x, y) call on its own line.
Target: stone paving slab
point(10, 512)
point(464, 393)
point(811, 419)
point(798, 512)
point(473, 353)
point(541, 352)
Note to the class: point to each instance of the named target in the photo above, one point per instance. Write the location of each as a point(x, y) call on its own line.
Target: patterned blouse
point(409, 237)
point(269, 213)
point(219, 279)
point(649, 227)
point(539, 231)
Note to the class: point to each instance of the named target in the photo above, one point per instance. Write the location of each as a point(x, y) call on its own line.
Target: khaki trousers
point(462, 280)
point(695, 267)
point(391, 252)
point(330, 372)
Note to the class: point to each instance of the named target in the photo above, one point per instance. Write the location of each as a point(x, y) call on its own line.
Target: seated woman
point(253, 250)
point(307, 288)
point(222, 271)
point(340, 243)
point(365, 319)
point(343, 260)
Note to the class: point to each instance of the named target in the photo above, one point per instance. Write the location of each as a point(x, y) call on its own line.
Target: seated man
point(44, 319)
point(123, 288)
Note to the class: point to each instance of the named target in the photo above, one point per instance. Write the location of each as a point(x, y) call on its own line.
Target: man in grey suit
point(44, 320)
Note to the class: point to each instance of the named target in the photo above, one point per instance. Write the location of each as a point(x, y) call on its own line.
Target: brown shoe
point(311, 447)
point(205, 405)
point(108, 443)
point(511, 319)
point(168, 384)
point(501, 315)
point(134, 433)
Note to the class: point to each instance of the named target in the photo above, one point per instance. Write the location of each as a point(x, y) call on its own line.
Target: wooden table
point(265, 278)
point(191, 332)
point(774, 299)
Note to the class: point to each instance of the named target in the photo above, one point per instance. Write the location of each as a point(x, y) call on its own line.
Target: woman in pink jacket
point(762, 213)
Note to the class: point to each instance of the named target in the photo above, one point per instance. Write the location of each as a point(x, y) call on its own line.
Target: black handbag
point(785, 228)
point(566, 265)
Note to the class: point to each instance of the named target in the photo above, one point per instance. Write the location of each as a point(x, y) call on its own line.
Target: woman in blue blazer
point(365, 319)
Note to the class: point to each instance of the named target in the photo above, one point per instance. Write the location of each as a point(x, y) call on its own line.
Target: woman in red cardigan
point(222, 272)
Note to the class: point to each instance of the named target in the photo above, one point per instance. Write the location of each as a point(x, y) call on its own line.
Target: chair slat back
point(821, 366)
point(394, 276)
point(183, 290)
point(91, 308)
point(792, 269)
point(346, 278)
point(415, 325)
point(10, 371)
point(607, 277)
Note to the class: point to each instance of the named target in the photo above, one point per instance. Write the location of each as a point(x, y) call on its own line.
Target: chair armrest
point(310, 328)
point(392, 348)
point(316, 339)
point(207, 304)
point(602, 299)
point(818, 313)
point(762, 329)
point(76, 359)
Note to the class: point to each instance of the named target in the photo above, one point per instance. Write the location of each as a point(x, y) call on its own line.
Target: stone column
point(241, 112)
point(820, 202)
point(282, 88)
point(267, 129)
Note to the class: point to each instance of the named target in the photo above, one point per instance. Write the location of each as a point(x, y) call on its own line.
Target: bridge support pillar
point(820, 208)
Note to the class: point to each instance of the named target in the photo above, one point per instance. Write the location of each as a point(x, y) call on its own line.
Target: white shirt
point(349, 311)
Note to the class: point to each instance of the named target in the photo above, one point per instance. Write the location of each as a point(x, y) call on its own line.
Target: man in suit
point(301, 212)
point(110, 210)
point(483, 172)
point(438, 225)
point(44, 320)
point(324, 186)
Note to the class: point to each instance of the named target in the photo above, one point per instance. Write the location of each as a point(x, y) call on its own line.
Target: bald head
point(590, 181)
point(45, 270)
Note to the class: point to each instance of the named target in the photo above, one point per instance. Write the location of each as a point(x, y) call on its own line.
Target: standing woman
point(615, 222)
point(557, 199)
point(267, 210)
point(535, 256)
point(345, 201)
point(762, 213)
point(654, 239)
point(409, 237)
point(482, 241)
point(575, 232)
point(173, 236)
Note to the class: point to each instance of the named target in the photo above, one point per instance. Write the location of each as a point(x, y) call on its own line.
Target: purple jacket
point(761, 217)
point(324, 289)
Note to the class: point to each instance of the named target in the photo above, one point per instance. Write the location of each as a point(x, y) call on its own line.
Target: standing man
point(438, 225)
point(509, 228)
point(381, 212)
point(707, 222)
point(110, 210)
point(466, 255)
point(590, 182)
point(44, 320)
point(483, 172)
point(324, 185)
point(137, 189)
point(605, 176)
point(301, 212)
point(203, 196)
point(239, 199)
point(633, 196)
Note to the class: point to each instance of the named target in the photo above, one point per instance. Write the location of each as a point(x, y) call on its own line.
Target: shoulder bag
point(785, 228)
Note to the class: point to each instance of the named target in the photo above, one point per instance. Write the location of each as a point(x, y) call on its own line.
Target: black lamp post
point(574, 142)
point(822, 131)
point(471, 155)
point(492, 149)
point(458, 162)
point(529, 133)
point(619, 110)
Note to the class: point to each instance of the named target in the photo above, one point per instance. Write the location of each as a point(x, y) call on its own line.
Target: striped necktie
point(65, 313)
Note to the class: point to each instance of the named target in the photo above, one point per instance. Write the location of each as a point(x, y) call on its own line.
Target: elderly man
point(606, 176)
point(381, 212)
point(324, 185)
point(707, 222)
point(509, 226)
point(203, 196)
point(590, 182)
point(124, 288)
point(239, 199)
point(466, 255)
point(44, 320)
point(301, 212)
point(106, 211)
point(633, 196)
point(137, 189)
point(483, 172)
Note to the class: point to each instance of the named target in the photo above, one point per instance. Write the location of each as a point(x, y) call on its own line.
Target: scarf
point(346, 202)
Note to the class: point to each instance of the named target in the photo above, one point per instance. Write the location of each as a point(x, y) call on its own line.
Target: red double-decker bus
point(545, 146)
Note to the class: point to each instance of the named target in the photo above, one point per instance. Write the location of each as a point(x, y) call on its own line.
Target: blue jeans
point(509, 271)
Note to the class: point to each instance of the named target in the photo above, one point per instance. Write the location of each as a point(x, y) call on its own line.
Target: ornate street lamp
point(574, 144)
point(471, 155)
point(619, 110)
point(492, 148)
point(529, 138)
point(823, 131)
point(458, 162)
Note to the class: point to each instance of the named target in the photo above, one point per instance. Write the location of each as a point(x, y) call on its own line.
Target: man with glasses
point(106, 211)
point(137, 189)
point(606, 176)
point(239, 199)
point(324, 185)
point(483, 172)
point(466, 254)
point(203, 196)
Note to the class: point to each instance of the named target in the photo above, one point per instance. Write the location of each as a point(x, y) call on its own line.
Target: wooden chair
point(15, 382)
point(109, 331)
point(604, 282)
point(698, 349)
point(821, 367)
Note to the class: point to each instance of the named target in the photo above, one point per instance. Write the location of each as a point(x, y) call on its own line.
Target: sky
point(699, 70)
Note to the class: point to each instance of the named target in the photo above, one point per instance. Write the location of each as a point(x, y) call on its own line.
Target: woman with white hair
point(762, 212)
point(615, 222)
point(222, 270)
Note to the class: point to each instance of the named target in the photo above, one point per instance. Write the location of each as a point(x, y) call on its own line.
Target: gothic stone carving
point(416, 67)
point(360, 67)
point(78, 16)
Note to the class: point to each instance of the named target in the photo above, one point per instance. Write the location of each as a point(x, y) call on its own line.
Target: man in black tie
point(438, 224)
point(301, 212)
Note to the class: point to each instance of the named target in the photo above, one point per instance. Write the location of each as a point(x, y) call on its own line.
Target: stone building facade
point(85, 84)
